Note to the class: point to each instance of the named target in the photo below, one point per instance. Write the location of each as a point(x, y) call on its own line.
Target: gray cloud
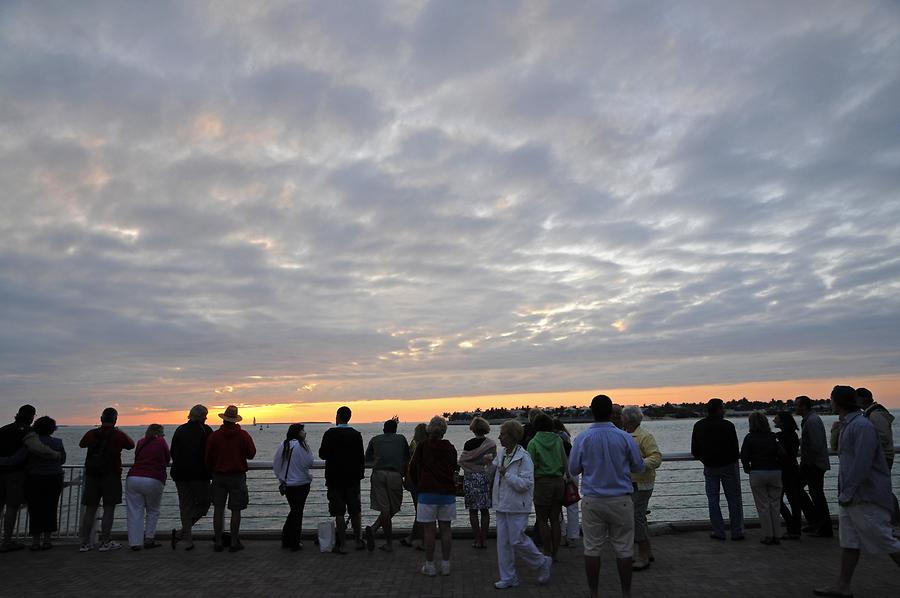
point(394, 200)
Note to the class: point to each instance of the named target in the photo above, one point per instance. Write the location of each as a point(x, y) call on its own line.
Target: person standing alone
point(714, 442)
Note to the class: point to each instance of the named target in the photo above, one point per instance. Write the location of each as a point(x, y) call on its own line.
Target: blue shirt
point(864, 475)
point(606, 457)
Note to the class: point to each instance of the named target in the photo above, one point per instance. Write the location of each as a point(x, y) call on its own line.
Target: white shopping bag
point(326, 535)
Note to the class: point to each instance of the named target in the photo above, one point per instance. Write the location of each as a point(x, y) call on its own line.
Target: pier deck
point(688, 564)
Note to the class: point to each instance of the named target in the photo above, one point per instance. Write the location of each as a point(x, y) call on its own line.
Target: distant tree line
point(673, 410)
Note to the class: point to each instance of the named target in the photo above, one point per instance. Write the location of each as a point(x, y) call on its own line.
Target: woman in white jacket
point(513, 473)
point(291, 466)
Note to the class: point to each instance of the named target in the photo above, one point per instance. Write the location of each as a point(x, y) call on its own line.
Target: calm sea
point(678, 494)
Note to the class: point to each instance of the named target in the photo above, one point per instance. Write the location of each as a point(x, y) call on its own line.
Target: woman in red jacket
point(433, 469)
point(144, 487)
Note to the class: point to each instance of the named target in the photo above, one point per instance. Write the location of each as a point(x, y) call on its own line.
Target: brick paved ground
point(688, 565)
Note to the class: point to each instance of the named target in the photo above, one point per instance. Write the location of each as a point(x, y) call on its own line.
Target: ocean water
point(678, 495)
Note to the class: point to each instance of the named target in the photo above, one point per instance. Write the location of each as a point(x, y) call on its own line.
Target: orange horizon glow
point(886, 390)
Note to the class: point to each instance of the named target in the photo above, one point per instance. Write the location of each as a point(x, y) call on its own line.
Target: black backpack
point(97, 462)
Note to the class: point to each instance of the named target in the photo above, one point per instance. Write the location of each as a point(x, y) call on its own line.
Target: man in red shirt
point(227, 451)
point(102, 478)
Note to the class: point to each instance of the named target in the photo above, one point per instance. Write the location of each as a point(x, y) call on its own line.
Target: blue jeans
point(730, 478)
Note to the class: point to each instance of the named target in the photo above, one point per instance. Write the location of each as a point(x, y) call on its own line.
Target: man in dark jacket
point(188, 451)
point(227, 451)
point(814, 462)
point(13, 440)
point(345, 466)
point(714, 442)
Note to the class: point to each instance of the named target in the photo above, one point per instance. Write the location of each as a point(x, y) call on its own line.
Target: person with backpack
point(291, 465)
point(102, 478)
point(190, 473)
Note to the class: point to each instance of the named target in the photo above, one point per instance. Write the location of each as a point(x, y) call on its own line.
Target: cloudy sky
point(295, 203)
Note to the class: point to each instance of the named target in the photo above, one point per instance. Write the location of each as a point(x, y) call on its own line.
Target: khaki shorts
point(386, 491)
point(608, 519)
point(230, 487)
point(549, 491)
point(107, 489)
point(867, 526)
point(193, 498)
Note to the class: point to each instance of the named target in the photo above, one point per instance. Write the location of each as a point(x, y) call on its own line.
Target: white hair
point(633, 415)
point(437, 426)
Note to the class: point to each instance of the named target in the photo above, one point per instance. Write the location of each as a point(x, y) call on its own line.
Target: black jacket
point(345, 459)
point(761, 451)
point(188, 451)
point(714, 442)
point(11, 436)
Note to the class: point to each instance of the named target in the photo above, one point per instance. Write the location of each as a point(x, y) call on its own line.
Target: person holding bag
point(512, 472)
point(291, 465)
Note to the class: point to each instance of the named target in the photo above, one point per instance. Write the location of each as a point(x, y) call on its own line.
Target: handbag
point(570, 494)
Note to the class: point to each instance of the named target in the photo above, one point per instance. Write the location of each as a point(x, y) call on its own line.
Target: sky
point(416, 207)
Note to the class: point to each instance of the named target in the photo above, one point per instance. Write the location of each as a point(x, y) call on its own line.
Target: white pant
point(512, 542)
point(142, 494)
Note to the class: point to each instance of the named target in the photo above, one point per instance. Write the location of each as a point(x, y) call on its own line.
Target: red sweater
point(433, 467)
point(227, 450)
point(151, 457)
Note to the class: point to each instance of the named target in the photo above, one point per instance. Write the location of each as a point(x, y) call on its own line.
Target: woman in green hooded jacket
point(550, 466)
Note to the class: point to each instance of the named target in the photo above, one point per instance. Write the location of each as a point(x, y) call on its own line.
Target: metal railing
point(678, 496)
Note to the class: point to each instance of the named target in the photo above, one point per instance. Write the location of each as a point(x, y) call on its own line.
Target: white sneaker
point(502, 585)
point(544, 571)
point(110, 545)
point(86, 547)
point(445, 567)
point(429, 569)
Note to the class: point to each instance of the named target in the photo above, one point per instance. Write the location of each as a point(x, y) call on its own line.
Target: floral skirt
point(477, 487)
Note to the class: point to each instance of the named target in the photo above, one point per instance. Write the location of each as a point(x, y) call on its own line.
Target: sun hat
point(231, 415)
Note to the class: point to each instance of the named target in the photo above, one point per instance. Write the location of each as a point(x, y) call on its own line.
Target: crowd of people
point(536, 467)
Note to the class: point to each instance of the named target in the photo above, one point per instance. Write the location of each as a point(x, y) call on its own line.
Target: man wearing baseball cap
point(227, 451)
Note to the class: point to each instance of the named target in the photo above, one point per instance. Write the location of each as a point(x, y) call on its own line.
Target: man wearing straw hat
point(227, 451)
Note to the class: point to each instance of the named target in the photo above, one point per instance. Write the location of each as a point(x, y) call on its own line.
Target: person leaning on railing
point(190, 474)
point(144, 488)
point(642, 482)
point(227, 452)
point(43, 485)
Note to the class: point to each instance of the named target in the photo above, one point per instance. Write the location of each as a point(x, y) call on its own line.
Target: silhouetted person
point(44, 485)
point(227, 451)
point(790, 474)
point(190, 473)
point(714, 442)
point(606, 457)
point(102, 478)
point(16, 440)
point(388, 454)
point(345, 466)
point(761, 457)
point(814, 462)
point(864, 492)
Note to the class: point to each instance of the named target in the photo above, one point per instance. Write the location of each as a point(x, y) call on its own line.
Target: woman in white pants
point(144, 488)
point(513, 473)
